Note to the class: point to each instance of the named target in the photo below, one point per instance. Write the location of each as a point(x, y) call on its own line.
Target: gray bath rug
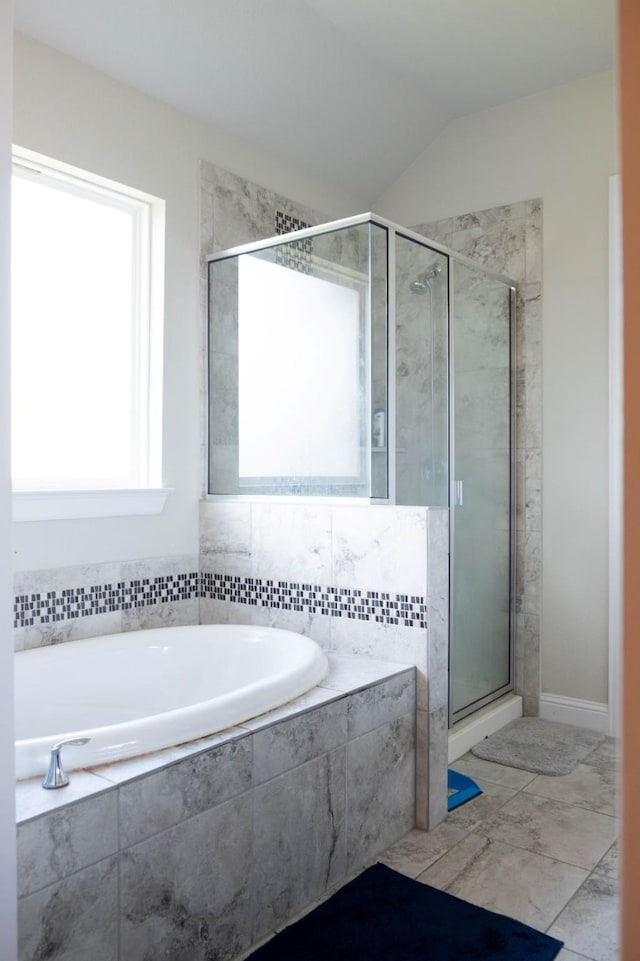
point(542, 747)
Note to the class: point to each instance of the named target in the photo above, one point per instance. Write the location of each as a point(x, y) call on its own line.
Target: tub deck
point(215, 844)
point(348, 674)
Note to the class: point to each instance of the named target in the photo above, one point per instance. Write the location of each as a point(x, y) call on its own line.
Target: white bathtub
point(141, 691)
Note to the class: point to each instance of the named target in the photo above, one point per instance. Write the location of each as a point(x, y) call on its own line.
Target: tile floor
point(540, 849)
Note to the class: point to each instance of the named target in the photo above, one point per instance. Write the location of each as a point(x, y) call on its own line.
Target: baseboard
point(570, 710)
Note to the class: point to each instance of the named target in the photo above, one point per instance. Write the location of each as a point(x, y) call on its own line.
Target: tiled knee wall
point(352, 578)
point(212, 853)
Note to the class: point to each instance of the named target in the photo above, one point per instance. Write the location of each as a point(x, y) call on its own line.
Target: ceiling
point(350, 90)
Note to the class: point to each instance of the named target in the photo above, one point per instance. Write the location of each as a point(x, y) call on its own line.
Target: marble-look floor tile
point(589, 923)
point(32, 801)
point(438, 758)
point(606, 756)
point(299, 839)
point(438, 551)
point(313, 698)
point(315, 626)
point(380, 704)
point(380, 548)
point(477, 767)
point(300, 739)
point(64, 841)
point(166, 614)
point(562, 831)
point(185, 893)
point(291, 542)
point(73, 920)
point(151, 804)
point(380, 789)
point(437, 652)
point(418, 850)
point(609, 866)
point(506, 879)
point(566, 955)
point(376, 641)
point(349, 672)
point(225, 532)
point(213, 611)
point(479, 809)
point(121, 771)
point(61, 632)
point(586, 786)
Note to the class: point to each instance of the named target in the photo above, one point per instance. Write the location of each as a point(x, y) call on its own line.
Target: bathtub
point(141, 691)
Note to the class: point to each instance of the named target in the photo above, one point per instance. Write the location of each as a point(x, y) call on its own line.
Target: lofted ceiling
point(350, 90)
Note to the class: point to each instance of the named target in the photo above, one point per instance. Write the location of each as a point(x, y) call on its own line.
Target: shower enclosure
point(359, 359)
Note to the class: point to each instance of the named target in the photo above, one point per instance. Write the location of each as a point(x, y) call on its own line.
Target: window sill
point(71, 505)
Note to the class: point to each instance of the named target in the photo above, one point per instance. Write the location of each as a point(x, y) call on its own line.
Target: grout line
point(565, 906)
point(573, 804)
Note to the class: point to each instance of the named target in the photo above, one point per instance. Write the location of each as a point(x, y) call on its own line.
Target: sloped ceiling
point(350, 90)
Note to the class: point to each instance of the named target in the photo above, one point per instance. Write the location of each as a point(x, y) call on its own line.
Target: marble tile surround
point(66, 604)
point(396, 551)
point(199, 854)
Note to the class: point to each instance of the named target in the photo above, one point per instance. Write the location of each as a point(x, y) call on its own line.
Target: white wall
point(7, 782)
point(68, 111)
point(558, 145)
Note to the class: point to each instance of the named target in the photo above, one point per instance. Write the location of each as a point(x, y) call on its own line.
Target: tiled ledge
point(348, 675)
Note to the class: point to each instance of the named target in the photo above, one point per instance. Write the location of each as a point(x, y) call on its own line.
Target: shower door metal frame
point(456, 716)
point(454, 257)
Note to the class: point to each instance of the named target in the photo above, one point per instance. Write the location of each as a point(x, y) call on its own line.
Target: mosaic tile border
point(73, 602)
point(298, 253)
point(378, 606)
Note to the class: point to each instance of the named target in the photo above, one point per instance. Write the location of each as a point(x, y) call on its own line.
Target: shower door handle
point(456, 494)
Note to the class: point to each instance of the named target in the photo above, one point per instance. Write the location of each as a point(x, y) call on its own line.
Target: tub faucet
point(56, 776)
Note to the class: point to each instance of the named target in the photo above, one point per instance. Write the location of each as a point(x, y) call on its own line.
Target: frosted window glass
point(300, 374)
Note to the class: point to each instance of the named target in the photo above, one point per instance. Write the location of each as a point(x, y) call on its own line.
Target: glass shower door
point(481, 498)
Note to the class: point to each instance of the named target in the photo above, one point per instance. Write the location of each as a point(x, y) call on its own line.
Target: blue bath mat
point(460, 789)
point(385, 916)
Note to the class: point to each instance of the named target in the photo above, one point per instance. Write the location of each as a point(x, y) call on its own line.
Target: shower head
point(423, 282)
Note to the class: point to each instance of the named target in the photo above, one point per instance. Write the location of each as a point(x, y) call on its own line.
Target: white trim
point(571, 710)
point(69, 505)
point(469, 732)
point(8, 893)
point(616, 418)
point(147, 215)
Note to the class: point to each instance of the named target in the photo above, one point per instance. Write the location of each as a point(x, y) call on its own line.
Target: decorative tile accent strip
point(399, 609)
point(296, 254)
point(73, 602)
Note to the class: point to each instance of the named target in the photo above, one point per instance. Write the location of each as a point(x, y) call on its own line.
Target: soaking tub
point(141, 691)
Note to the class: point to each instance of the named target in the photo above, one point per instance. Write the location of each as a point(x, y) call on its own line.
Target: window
point(86, 335)
point(298, 334)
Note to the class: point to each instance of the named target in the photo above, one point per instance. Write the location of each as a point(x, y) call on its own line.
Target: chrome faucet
point(56, 776)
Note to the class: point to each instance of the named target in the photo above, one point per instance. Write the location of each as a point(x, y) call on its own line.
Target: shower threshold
point(467, 733)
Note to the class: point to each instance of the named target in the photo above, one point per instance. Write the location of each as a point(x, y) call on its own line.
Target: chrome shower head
point(423, 282)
